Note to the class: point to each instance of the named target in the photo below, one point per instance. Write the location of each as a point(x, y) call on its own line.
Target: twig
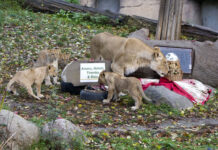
point(4, 143)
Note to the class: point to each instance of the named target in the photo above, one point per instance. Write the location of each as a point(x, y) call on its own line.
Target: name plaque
point(89, 72)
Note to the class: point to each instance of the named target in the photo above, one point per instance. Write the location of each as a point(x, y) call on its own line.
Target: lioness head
point(101, 78)
point(159, 62)
point(52, 71)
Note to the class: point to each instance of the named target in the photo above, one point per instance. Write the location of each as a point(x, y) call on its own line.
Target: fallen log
point(56, 5)
point(199, 33)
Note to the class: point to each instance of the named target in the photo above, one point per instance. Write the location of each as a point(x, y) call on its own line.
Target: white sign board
point(89, 72)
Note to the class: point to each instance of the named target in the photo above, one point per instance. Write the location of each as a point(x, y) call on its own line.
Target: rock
point(25, 133)
point(63, 133)
point(71, 73)
point(141, 34)
point(162, 95)
point(71, 78)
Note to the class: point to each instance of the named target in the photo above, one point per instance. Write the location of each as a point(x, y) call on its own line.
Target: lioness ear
point(156, 53)
point(157, 48)
point(49, 67)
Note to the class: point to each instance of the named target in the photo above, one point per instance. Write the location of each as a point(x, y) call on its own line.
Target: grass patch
point(152, 140)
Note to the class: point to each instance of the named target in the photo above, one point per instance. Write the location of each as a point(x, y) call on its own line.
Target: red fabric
point(171, 86)
point(209, 92)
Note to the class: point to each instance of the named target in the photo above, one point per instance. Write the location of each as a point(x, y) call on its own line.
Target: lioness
point(127, 54)
point(28, 77)
point(117, 83)
point(50, 57)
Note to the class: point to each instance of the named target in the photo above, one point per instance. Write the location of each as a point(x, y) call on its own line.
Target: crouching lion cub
point(53, 57)
point(117, 83)
point(28, 77)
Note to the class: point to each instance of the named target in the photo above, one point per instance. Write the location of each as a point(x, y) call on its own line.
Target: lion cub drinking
point(117, 83)
point(28, 77)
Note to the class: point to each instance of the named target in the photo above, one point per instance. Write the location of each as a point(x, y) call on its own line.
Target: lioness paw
point(106, 101)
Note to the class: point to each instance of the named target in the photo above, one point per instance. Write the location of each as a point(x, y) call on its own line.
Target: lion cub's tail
point(143, 94)
point(10, 83)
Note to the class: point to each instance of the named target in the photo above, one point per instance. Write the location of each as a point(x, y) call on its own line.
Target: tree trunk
point(170, 17)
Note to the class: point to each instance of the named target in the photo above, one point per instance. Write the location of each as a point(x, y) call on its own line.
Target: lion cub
point(47, 57)
point(28, 77)
point(117, 83)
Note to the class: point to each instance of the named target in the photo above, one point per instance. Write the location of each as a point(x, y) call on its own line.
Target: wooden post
point(170, 18)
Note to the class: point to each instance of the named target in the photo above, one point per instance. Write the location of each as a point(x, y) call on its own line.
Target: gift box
point(175, 72)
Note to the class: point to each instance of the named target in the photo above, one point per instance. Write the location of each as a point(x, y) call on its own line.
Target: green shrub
point(73, 1)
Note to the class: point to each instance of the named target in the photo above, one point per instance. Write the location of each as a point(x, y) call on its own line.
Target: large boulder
point(162, 95)
point(141, 34)
point(63, 133)
point(71, 76)
point(71, 73)
point(22, 132)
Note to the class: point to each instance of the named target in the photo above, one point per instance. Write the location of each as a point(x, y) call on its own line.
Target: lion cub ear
point(49, 67)
point(103, 73)
point(34, 60)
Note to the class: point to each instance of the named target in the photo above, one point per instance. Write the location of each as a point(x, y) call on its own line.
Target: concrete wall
point(192, 10)
point(210, 14)
point(88, 3)
point(111, 5)
point(145, 8)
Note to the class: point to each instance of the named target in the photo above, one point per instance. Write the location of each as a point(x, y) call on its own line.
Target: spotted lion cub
point(28, 77)
point(117, 83)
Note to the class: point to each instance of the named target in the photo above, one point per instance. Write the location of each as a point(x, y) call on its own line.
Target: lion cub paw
point(48, 83)
point(106, 101)
point(40, 96)
point(37, 98)
point(58, 83)
point(15, 93)
point(134, 108)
